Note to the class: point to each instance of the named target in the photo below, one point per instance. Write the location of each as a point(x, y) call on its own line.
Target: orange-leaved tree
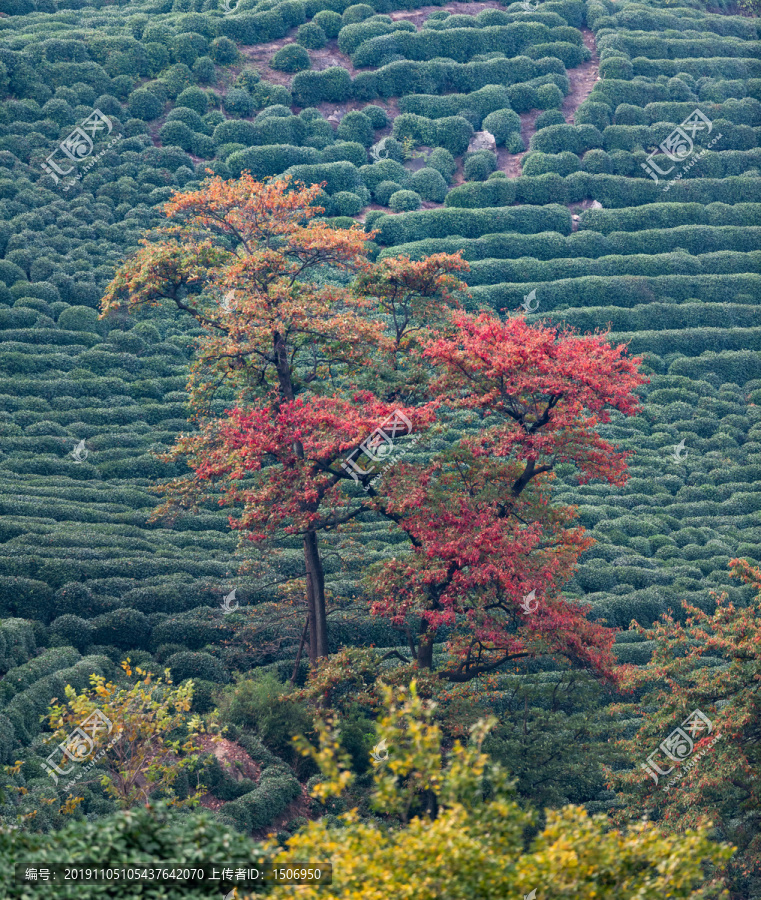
point(697, 752)
point(299, 354)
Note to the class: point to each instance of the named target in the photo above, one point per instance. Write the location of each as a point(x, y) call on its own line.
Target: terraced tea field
point(597, 163)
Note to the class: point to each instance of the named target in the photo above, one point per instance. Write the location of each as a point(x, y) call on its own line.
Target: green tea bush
point(562, 163)
point(345, 151)
point(332, 85)
point(21, 677)
point(501, 123)
point(377, 116)
point(356, 126)
point(478, 166)
point(573, 138)
point(384, 190)
point(74, 630)
point(383, 170)
point(263, 705)
point(238, 103)
point(124, 628)
point(461, 44)
point(404, 201)
point(144, 105)
point(429, 183)
point(194, 98)
point(345, 203)
point(291, 58)
point(470, 223)
point(357, 13)
point(203, 70)
point(330, 22)
point(311, 36)
point(270, 160)
point(403, 77)
point(196, 665)
point(339, 176)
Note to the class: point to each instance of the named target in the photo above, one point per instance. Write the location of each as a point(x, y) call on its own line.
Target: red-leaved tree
point(490, 552)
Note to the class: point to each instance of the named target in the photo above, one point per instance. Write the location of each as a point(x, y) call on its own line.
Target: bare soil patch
point(418, 16)
point(583, 79)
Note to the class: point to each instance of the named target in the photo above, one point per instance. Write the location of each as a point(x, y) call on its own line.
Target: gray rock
point(482, 140)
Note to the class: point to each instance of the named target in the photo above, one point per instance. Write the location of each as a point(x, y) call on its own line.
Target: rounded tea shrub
point(443, 161)
point(345, 203)
point(329, 21)
point(430, 184)
point(194, 98)
point(356, 126)
point(144, 104)
point(196, 665)
point(377, 116)
point(78, 318)
point(357, 13)
point(479, 166)
point(501, 123)
point(238, 103)
point(385, 190)
point(404, 201)
point(311, 36)
point(291, 58)
point(224, 52)
point(549, 117)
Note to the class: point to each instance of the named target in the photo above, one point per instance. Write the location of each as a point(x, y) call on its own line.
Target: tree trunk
point(301, 650)
point(318, 622)
point(425, 648)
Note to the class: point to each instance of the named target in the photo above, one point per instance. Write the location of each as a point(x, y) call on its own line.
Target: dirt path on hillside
point(418, 16)
point(583, 79)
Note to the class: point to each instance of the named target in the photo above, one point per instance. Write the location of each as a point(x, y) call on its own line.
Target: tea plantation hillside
point(597, 163)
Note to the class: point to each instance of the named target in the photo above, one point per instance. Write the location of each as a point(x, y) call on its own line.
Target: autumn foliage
point(315, 347)
point(682, 676)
